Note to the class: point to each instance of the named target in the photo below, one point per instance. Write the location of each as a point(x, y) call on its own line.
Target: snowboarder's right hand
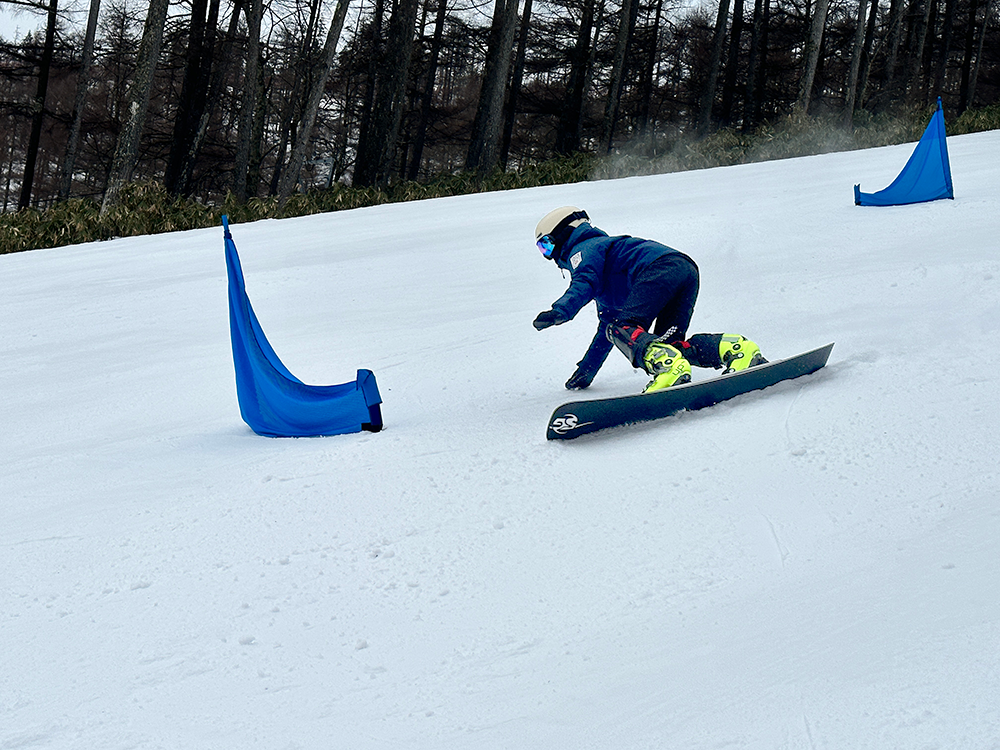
point(579, 379)
point(546, 319)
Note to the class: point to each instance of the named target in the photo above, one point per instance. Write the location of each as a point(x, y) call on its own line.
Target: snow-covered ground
point(813, 566)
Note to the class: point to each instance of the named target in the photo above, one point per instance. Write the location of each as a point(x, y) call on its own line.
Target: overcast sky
point(17, 25)
point(16, 21)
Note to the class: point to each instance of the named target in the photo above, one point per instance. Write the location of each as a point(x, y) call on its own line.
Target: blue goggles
point(546, 245)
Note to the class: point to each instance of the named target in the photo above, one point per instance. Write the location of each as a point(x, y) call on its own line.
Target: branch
point(28, 4)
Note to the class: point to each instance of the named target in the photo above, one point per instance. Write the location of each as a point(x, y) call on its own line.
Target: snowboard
point(576, 418)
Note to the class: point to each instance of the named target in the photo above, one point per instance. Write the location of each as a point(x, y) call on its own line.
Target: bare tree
point(708, 93)
point(484, 148)
point(304, 131)
point(38, 107)
point(377, 148)
point(895, 37)
point(427, 95)
point(375, 52)
point(856, 55)
point(979, 52)
point(516, 81)
point(127, 150)
point(253, 10)
point(623, 39)
point(916, 51)
point(756, 65)
point(568, 129)
point(649, 71)
point(813, 45)
point(947, 31)
point(10, 130)
point(965, 88)
point(732, 63)
point(194, 96)
point(82, 84)
point(300, 65)
point(866, 55)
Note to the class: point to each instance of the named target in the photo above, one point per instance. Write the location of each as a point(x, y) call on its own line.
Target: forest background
point(121, 118)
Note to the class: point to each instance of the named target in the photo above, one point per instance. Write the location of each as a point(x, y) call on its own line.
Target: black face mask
point(561, 234)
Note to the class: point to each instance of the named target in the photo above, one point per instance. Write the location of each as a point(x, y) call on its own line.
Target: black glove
point(546, 319)
point(579, 379)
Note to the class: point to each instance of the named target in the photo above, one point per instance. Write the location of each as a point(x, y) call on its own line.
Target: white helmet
point(555, 228)
point(553, 221)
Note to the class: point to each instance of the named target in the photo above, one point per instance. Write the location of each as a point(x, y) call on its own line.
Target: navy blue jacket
point(603, 269)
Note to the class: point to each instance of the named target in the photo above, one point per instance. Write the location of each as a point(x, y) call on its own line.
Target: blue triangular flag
point(926, 176)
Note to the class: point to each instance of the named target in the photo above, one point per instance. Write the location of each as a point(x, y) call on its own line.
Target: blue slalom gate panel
point(273, 401)
point(926, 176)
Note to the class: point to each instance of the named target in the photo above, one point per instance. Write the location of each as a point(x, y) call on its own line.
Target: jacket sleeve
point(598, 351)
point(583, 288)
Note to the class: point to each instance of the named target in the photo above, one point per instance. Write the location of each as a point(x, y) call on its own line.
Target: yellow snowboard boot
point(738, 353)
point(667, 366)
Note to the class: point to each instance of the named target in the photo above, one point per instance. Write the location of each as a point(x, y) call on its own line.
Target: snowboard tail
point(576, 418)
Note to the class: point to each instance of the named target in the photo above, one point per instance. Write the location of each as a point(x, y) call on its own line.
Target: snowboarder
point(634, 282)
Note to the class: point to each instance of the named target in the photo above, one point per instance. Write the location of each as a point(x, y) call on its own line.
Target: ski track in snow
point(811, 566)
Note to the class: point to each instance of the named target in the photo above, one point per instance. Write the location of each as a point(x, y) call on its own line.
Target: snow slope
point(814, 566)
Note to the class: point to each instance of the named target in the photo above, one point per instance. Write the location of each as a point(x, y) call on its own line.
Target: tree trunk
point(646, 104)
point(590, 66)
point(191, 96)
point(568, 130)
point(258, 123)
point(80, 101)
point(304, 131)
point(948, 27)
point(127, 149)
point(194, 96)
point(964, 100)
point(484, 147)
point(253, 11)
point(756, 65)
point(917, 53)
point(294, 105)
point(510, 114)
point(895, 35)
point(220, 70)
point(623, 40)
point(732, 64)
point(855, 72)
point(866, 55)
point(427, 97)
point(979, 52)
point(372, 82)
point(376, 153)
point(39, 108)
point(708, 93)
point(11, 141)
point(812, 55)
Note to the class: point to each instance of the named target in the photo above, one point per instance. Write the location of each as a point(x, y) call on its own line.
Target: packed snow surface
point(811, 566)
